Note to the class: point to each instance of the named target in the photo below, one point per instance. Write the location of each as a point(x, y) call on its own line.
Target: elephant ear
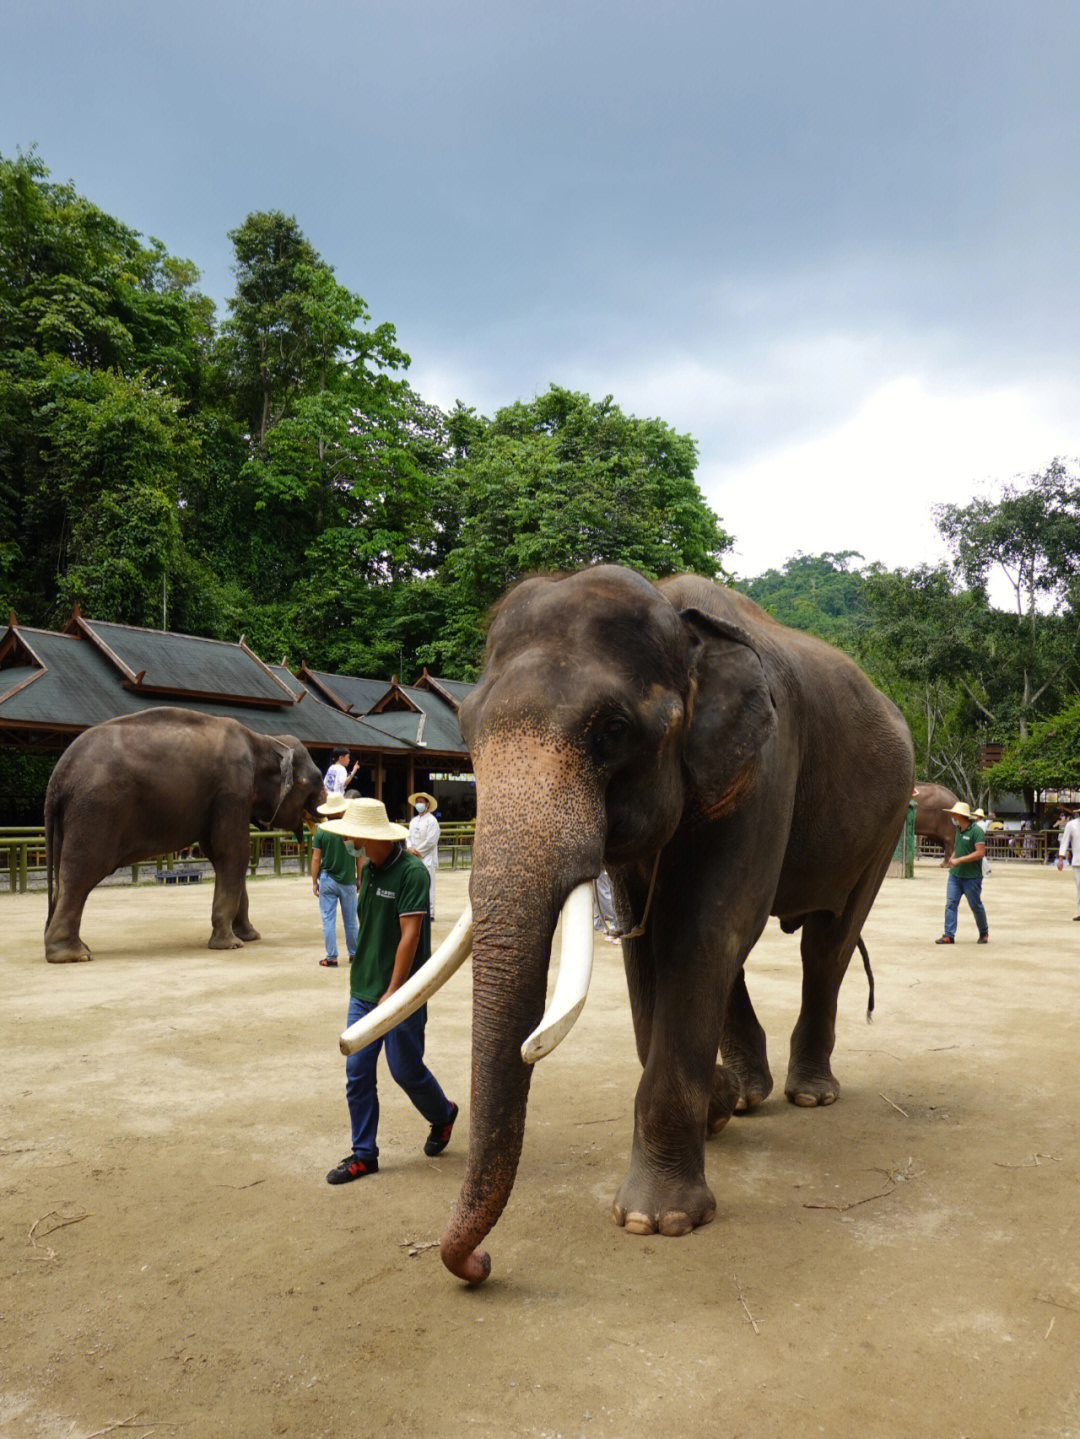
point(274, 778)
point(734, 712)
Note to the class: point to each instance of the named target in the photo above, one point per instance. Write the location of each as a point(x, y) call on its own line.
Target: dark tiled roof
point(79, 688)
point(456, 689)
point(436, 725)
point(352, 690)
point(186, 664)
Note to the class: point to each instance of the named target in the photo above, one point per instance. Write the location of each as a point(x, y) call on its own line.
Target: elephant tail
point(54, 835)
point(869, 980)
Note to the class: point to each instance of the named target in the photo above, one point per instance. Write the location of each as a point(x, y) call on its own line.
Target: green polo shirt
point(966, 840)
point(400, 887)
point(334, 858)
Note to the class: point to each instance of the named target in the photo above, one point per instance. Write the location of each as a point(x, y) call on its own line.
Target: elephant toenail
point(638, 1223)
point(675, 1224)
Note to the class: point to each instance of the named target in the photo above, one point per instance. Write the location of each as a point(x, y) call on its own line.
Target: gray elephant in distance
point(150, 783)
point(932, 820)
point(723, 768)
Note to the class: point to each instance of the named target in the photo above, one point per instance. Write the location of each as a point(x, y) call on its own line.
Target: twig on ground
point(1032, 1163)
point(62, 1222)
point(613, 1119)
point(894, 1177)
point(941, 1048)
point(131, 1422)
point(1057, 1304)
point(241, 1186)
point(887, 1100)
point(417, 1246)
point(1053, 1321)
point(746, 1308)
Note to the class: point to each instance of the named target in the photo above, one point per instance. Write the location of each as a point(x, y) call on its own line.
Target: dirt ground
point(904, 1263)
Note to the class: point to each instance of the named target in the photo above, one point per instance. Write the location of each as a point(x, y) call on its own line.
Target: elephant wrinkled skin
point(628, 724)
point(150, 783)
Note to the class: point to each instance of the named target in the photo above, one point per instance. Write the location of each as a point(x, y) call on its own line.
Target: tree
point(1031, 535)
point(822, 595)
point(1049, 758)
point(559, 482)
point(103, 345)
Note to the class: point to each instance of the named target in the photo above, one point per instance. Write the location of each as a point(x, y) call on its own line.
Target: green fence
point(22, 853)
point(903, 860)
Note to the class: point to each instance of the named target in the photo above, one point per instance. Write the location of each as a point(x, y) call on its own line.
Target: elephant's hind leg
point(229, 858)
point(742, 1044)
point(63, 943)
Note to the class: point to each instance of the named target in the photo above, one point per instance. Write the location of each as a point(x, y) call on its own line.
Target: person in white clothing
point(423, 838)
point(337, 777)
point(1069, 849)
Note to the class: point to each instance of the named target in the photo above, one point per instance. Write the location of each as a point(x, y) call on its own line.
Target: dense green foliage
point(276, 474)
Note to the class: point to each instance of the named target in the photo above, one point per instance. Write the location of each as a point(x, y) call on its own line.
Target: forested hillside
point(272, 472)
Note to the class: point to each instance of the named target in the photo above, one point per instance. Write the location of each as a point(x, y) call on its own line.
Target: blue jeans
point(971, 889)
point(332, 893)
point(405, 1058)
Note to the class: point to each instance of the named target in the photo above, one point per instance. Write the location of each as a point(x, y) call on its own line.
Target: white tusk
point(450, 955)
point(575, 971)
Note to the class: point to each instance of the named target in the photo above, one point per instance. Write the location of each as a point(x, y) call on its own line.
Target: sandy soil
point(904, 1263)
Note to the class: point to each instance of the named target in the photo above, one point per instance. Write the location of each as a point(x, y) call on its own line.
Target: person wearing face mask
point(423, 838)
point(333, 881)
point(965, 874)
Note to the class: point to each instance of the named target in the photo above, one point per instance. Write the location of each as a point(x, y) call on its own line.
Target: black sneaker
point(945, 939)
point(440, 1134)
point(983, 938)
point(351, 1167)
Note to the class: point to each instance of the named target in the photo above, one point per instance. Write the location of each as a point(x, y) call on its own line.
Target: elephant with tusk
point(724, 769)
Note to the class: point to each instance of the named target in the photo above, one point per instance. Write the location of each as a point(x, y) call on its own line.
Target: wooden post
point(378, 776)
point(277, 853)
point(411, 789)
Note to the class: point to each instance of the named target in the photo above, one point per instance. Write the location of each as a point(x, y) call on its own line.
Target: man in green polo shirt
point(965, 874)
point(394, 939)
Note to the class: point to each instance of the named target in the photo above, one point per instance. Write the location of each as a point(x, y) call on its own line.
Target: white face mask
point(421, 807)
point(356, 850)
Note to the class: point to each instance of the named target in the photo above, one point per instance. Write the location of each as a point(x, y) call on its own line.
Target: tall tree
point(1031, 536)
point(558, 482)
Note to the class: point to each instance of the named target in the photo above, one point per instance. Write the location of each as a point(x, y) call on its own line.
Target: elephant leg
point(742, 1044)
point(229, 859)
point(677, 998)
point(828, 942)
point(242, 925)
point(75, 881)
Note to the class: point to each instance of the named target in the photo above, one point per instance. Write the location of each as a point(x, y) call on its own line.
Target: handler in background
point(1069, 849)
point(394, 939)
point(333, 882)
point(424, 834)
point(965, 874)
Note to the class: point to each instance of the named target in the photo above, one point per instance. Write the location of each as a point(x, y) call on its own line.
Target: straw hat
point(365, 819)
point(962, 809)
point(432, 802)
point(334, 805)
point(980, 813)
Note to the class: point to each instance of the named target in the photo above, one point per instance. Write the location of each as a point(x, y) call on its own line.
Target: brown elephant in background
point(723, 768)
point(932, 801)
point(151, 783)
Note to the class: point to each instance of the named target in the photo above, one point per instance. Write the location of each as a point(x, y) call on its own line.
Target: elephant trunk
point(522, 875)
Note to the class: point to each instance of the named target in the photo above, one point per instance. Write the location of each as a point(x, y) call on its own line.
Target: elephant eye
point(608, 736)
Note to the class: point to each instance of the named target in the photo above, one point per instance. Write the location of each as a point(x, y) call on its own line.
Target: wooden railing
point(22, 848)
point(456, 840)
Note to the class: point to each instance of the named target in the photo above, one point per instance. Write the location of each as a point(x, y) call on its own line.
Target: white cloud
point(869, 484)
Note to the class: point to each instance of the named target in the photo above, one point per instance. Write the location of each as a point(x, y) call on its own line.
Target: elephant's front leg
point(677, 1014)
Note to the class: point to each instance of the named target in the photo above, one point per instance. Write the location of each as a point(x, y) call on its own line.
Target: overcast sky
point(835, 242)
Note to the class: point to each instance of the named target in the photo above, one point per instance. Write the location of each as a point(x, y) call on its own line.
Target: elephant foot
point(811, 1087)
point(71, 954)
point(754, 1081)
point(225, 941)
point(654, 1205)
point(723, 1100)
point(246, 933)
